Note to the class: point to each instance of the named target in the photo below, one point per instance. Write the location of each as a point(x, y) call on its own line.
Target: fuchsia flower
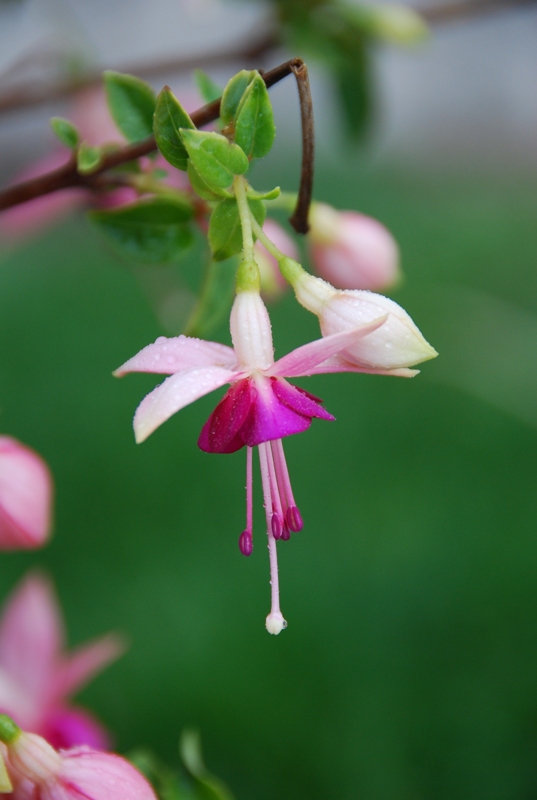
point(351, 250)
point(37, 677)
point(259, 409)
point(25, 497)
point(36, 771)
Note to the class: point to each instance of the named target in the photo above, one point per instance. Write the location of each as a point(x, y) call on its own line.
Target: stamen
point(286, 533)
point(246, 544)
point(249, 491)
point(275, 622)
point(276, 526)
point(293, 516)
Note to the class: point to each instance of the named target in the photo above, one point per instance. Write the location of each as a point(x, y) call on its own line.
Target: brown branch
point(461, 9)
point(247, 53)
point(299, 219)
point(68, 175)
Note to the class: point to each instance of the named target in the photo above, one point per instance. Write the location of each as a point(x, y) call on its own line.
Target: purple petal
point(167, 356)
point(269, 418)
point(71, 727)
point(220, 434)
point(299, 400)
point(31, 637)
point(78, 668)
point(175, 393)
point(303, 360)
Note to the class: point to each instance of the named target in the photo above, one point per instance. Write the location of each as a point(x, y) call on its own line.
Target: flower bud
point(25, 497)
point(272, 282)
point(351, 250)
point(396, 344)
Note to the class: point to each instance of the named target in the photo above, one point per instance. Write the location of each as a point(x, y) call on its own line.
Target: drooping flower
point(25, 497)
point(37, 677)
point(259, 409)
point(399, 344)
point(351, 250)
point(36, 771)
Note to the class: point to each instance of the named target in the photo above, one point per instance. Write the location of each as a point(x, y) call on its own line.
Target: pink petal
point(299, 400)
point(31, 636)
point(97, 776)
point(303, 360)
point(167, 356)
point(71, 727)
point(17, 703)
point(175, 393)
point(78, 668)
point(25, 496)
point(220, 434)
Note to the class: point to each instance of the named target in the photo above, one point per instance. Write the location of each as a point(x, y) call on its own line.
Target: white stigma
point(275, 622)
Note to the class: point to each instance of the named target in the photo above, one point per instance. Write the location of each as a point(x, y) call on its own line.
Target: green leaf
point(216, 159)
point(208, 787)
point(88, 158)
point(254, 124)
point(203, 189)
point(272, 195)
point(233, 94)
point(207, 88)
point(132, 104)
point(169, 117)
point(66, 132)
point(154, 231)
point(225, 230)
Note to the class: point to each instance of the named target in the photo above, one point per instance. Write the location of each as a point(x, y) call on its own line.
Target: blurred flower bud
point(37, 770)
point(25, 497)
point(351, 250)
point(273, 284)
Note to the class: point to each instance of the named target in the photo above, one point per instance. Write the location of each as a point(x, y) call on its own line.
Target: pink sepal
point(167, 356)
point(79, 667)
point(303, 360)
point(175, 393)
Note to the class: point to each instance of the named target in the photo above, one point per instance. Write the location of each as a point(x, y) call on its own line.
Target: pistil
point(275, 622)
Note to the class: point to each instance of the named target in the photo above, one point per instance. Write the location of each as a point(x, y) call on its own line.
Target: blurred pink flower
point(37, 677)
point(37, 772)
point(273, 284)
point(351, 250)
point(25, 497)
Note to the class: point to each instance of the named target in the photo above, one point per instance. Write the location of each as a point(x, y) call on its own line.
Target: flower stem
point(246, 218)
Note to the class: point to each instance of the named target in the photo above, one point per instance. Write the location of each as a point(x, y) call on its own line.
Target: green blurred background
point(409, 667)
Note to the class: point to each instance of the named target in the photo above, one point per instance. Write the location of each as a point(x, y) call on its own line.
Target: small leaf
point(225, 230)
point(169, 117)
point(215, 158)
point(88, 158)
point(207, 88)
point(154, 231)
point(233, 94)
point(66, 132)
point(254, 124)
point(203, 189)
point(132, 104)
point(272, 195)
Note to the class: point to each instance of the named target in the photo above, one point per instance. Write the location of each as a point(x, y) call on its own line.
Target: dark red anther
point(276, 525)
point(294, 519)
point(246, 544)
point(286, 533)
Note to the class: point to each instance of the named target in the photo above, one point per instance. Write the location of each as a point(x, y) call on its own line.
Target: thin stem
point(246, 216)
point(264, 239)
point(299, 219)
point(265, 480)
